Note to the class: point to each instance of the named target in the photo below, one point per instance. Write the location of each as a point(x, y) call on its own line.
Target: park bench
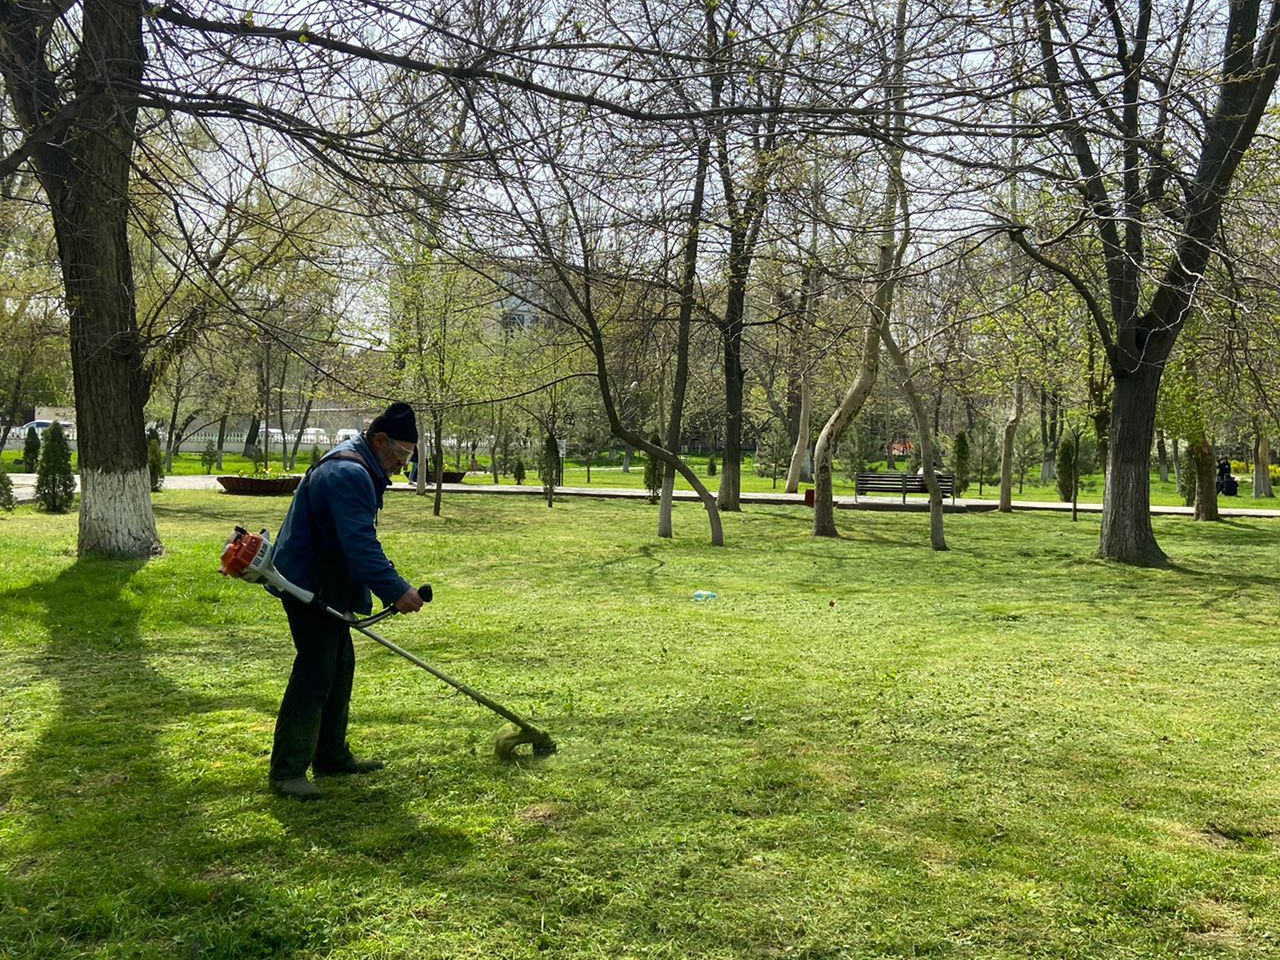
point(903, 483)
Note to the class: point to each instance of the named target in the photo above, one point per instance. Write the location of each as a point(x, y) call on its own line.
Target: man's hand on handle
point(411, 602)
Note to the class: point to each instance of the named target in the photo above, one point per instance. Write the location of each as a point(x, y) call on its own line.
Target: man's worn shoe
point(300, 788)
point(351, 766)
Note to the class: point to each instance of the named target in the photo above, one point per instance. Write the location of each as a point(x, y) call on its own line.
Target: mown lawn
point(1163, 493)
point(860, 748)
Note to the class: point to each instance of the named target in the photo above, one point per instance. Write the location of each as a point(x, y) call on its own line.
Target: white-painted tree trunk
point(115, 514)
point(1261, 468)
point(800, 454)
point(1007, 451)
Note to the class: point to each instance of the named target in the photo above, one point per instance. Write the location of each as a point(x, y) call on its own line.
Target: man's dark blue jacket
point(329, 539)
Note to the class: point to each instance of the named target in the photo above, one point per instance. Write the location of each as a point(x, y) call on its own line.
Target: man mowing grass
point(329, 544)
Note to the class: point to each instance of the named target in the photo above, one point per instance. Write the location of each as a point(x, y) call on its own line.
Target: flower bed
point(260, 486)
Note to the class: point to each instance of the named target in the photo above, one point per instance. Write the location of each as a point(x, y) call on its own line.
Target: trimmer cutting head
point(247, 556)
point(513, 737)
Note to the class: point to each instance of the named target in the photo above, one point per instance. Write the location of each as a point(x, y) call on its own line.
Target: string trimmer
point(247, 556)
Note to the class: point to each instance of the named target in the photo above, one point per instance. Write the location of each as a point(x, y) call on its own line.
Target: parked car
point(43, 425)
point(314, 437)
point(346, 433)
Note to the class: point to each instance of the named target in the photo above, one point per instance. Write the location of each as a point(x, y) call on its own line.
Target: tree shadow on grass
point(1220, 576)
point(138, 829)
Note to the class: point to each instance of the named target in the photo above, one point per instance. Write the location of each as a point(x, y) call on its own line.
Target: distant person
point(329, 544)
point(1224, 475)
point(413, 465)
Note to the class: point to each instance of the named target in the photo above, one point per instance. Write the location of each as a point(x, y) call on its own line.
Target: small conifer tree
point(7, 502)
point(711, 467)
point(155, 464)
point(55, 483)
point(209, 458)
point(1065, 469)
point(316, 456)
point(1187, 478)
point(962, 462)
point(517, 471)
point(31, 450)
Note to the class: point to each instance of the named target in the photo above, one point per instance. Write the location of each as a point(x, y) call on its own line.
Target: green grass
point(611, 475)
point(861, 748)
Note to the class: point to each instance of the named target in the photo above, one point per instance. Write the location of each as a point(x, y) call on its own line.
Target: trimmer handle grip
point(424, 592)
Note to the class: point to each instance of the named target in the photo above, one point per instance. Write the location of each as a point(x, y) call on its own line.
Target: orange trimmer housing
point(246, 554)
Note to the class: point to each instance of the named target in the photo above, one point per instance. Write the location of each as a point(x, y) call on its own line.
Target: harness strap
point(346, 455)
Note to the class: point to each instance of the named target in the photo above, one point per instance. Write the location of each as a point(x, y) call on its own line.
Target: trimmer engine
point(247, 555)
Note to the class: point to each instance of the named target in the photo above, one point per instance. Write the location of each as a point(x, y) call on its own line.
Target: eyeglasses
point(402, 452)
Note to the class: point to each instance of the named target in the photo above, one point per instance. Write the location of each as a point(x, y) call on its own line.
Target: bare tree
point(1152, 159)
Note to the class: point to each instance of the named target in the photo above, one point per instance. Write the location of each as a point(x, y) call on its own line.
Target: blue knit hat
point(397, 422)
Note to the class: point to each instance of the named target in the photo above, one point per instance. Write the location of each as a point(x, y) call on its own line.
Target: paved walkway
point(24, 490)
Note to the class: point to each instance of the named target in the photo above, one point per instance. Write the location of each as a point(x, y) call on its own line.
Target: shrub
point(55, 483)
point(316, 456)
point(518, 471)
point(962, 462)
point(31, 450)
point(654, 469)
point(773, 452)
point(711, 467)
point(1187, 477)
point(209, 458)
point(155, 464)
point(7, 503)
point(1065, 469)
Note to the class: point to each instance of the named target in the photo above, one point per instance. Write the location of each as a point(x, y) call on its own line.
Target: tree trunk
point(222, 438)
point(251, 435)
point(266, 405)
point(892, 246)
point(882, 305)
point(85, 175)
point(689, 267)
point(1048, 435)
point(437, 434)
point(1262, 467)
point(284, 437)
point(302, 425)
point(1126, 503)
point(173, 424)
point(1163, 456)
point(729, 495)
point(493, 448)
point(19, 380)
point(1206, 480)
point(801, 451)
point(1007, 450)
point(937, 538)
point(824, 519)
point(633, 439)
